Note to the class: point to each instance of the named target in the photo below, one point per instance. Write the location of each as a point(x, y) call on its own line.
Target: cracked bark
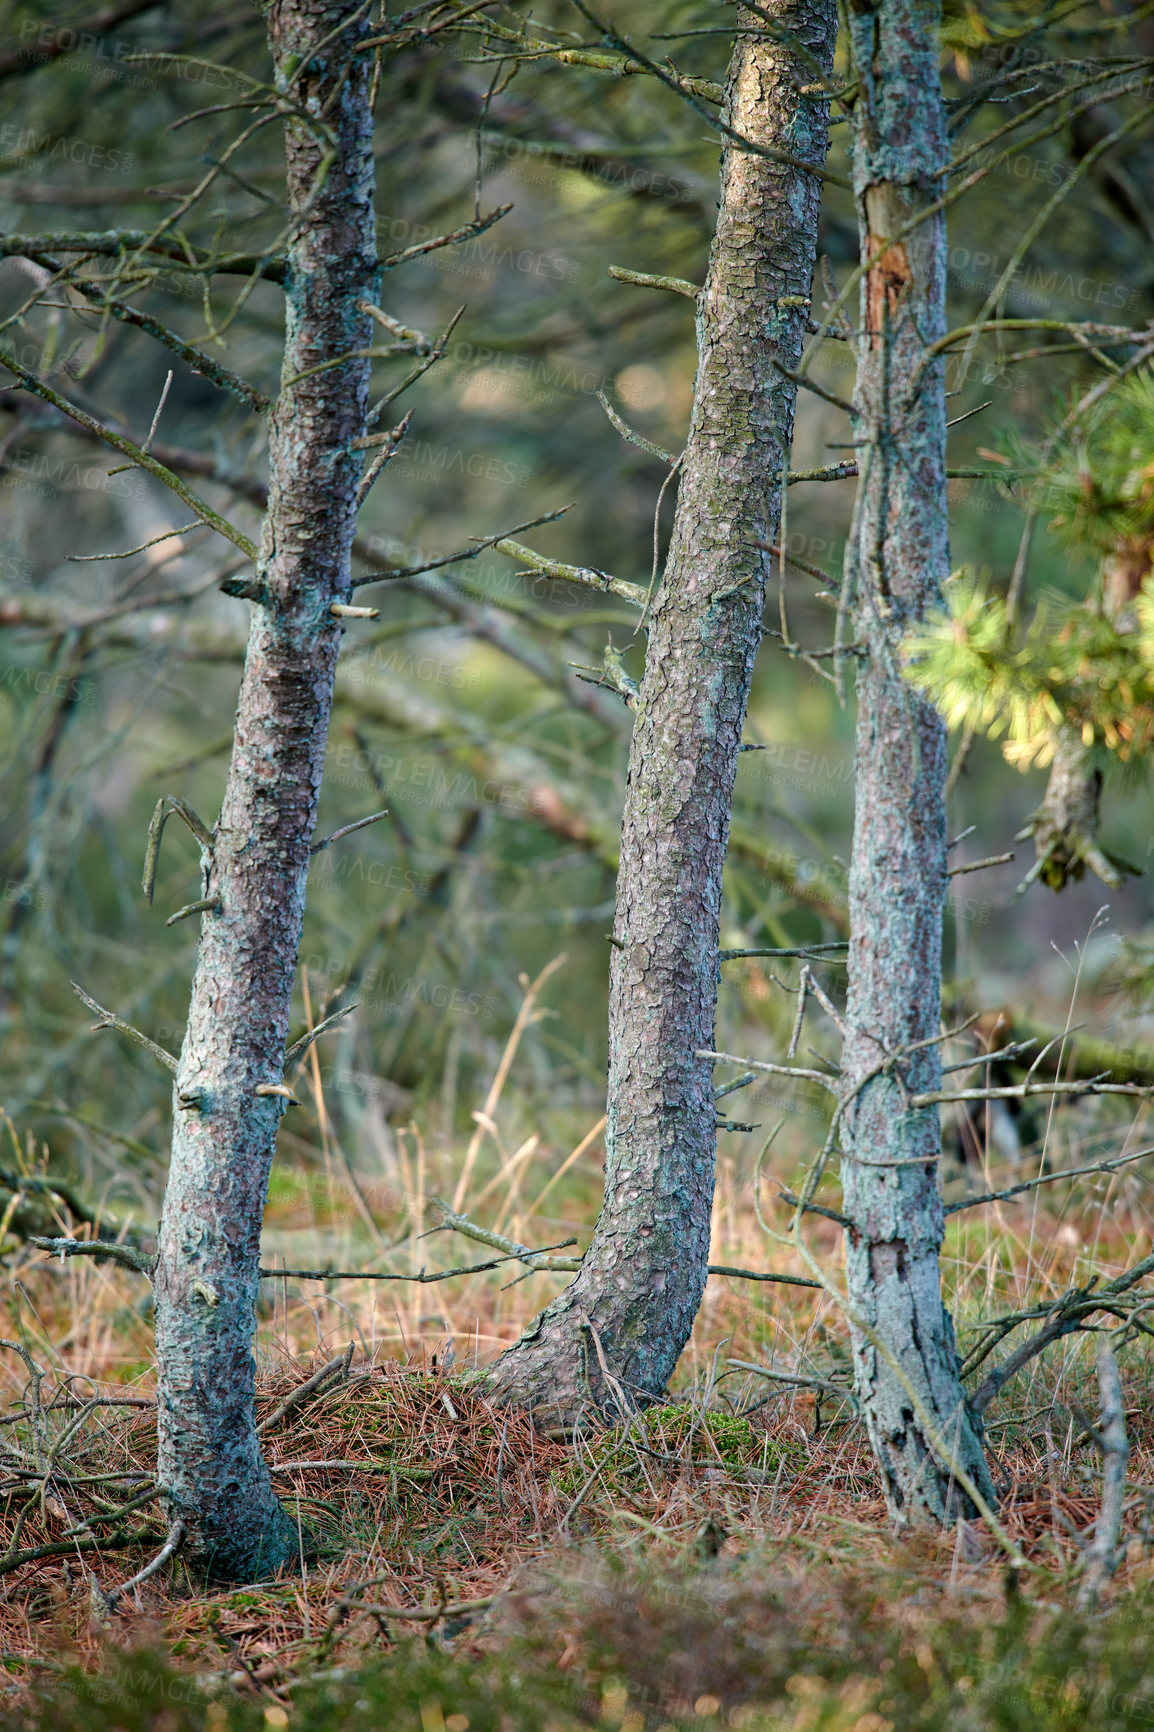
point(224, 1133)
point(897, 881)
point(632, 1305)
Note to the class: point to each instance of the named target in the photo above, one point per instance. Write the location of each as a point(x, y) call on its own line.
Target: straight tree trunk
point(895, 567)
point(615, 1335)
point(225, 1130)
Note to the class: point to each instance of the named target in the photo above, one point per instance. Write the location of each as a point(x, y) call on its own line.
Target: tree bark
point(895, 565)
point(224, 1133)
point(630, 1309)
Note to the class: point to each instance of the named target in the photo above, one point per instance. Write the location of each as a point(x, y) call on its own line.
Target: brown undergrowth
point(423, 1511)
point(686, 1566)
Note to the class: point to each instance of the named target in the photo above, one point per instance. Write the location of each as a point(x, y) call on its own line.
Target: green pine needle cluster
point(1098, 484)
point(1087, 665)
point(1073, 666)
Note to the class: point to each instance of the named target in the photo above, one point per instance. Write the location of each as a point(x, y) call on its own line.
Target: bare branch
point(466, 232)
point(1066, 1317)
point(980, 865)
point(1018, 1091)
point(202, 905)
point(340, 1363)
point(1045, 1179)
point(115, 243)
point(627, 433)
point(646, 280)
point(498, 1242)
point(301, 1046)
point(583, 574)
point(756, 1275)
point(168, 1550)
point(214, 371)
point(108, 1020)
point(790, 1070)
point(137, 456)
point(347, 830)
point(105, 1249)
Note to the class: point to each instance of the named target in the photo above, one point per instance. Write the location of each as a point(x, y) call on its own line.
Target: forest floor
point(725, 1560)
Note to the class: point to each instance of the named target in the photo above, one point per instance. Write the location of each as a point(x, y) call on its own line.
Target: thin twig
point(108, 1020)
point(788, 1070)
point(347, 830)
point(168, 1550)
point(498, 1242)
point(340, 1363)
point(1109, 1166)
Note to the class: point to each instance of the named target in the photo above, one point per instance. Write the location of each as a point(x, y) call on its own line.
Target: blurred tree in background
point(463, 709)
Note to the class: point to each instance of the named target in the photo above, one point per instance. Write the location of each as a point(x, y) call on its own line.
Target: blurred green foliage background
point(459, 709)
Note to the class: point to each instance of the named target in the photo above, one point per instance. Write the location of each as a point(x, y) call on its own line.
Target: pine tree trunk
point(631, 1308)
point(897, 879)
point(225, 1131)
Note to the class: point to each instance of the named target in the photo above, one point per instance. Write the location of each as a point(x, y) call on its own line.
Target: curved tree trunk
point(897, 878)
point(630, 1310)
point(224, 1134)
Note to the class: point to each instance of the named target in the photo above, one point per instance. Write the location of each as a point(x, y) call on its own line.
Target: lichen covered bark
point(224, 1133)
point(615, 1335)
point(895, 567)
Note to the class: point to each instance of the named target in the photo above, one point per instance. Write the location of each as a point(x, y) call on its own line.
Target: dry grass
point(438, 1502)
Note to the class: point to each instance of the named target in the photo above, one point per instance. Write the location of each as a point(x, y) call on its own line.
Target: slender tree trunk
point(225, 1131)
point(630, 1310)
point(897, 883)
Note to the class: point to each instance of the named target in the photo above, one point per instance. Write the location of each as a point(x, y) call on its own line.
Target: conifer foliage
point(1074, 687)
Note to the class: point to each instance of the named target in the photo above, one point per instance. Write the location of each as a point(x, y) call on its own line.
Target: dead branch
point(1045, 1179)
point(757, 1275)
point(136, 454)
point(789, 1070)
point(498, 1242)
point(340, 1363)
point(68, 1548)
point(466, 232)
point(129, 1258)
point(108, 1020)
point(168, 1550)
point(1068, 1315)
